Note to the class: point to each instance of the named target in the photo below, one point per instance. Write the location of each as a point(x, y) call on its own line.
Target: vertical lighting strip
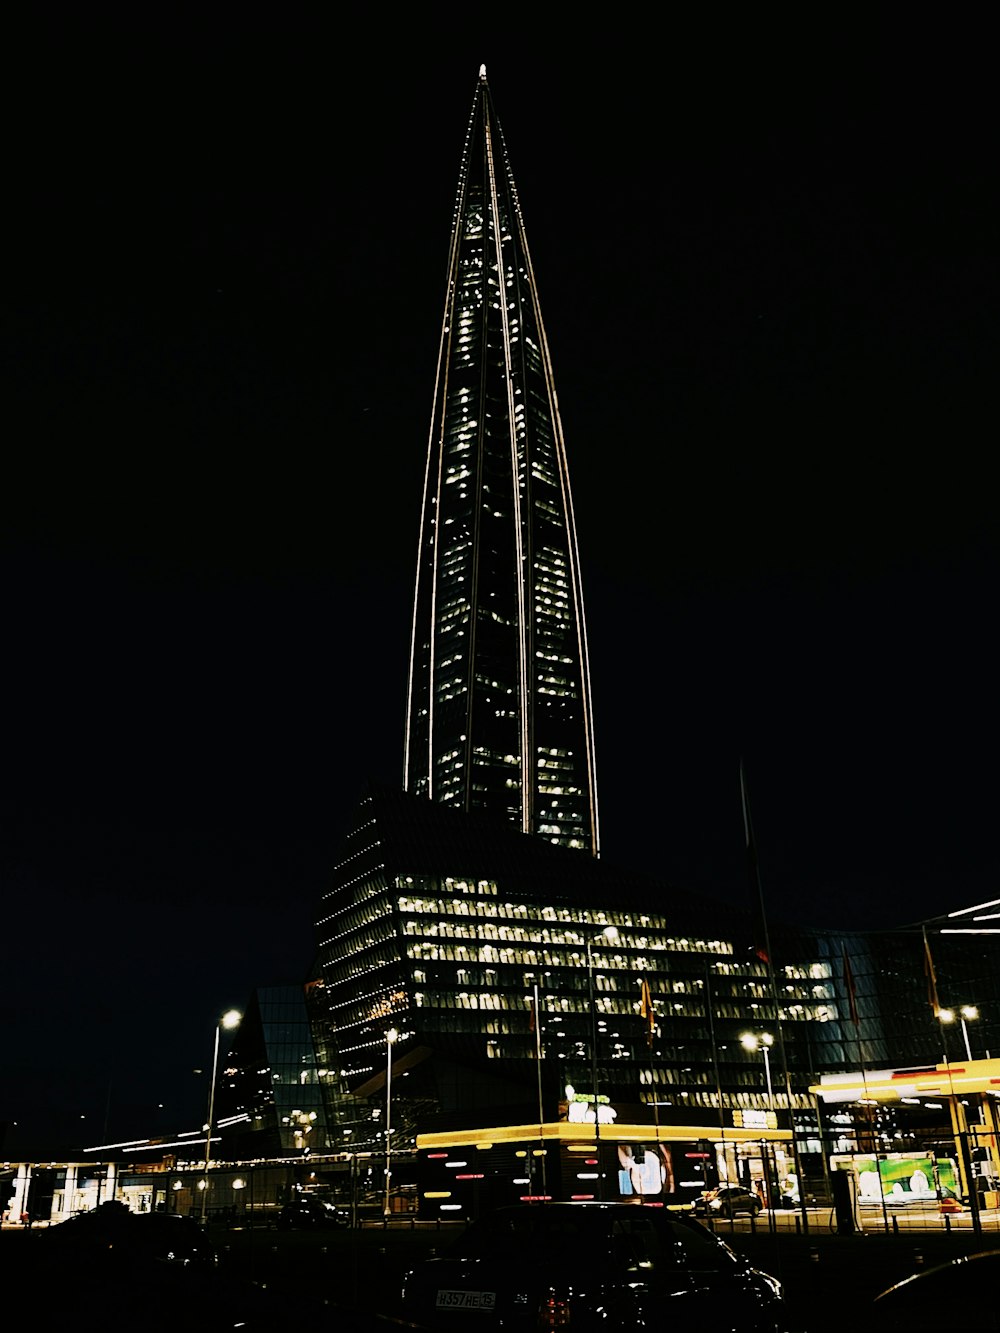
point(527, 695)
point(476, 518)
point(440, 395)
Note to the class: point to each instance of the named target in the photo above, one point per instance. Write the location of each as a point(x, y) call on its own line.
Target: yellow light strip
point(975, 1076)
point(563, 1132)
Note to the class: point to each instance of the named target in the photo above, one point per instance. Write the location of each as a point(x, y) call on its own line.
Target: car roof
point(592, 1206)
point(593, 1209)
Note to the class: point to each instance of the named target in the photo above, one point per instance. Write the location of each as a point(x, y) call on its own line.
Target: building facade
point(499, 708)
point(522, 984)
point(271, 1095)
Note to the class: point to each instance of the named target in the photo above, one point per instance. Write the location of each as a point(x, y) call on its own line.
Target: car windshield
point(632, 1238)
point(537, 1234)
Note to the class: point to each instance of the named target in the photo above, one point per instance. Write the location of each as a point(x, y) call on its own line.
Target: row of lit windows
point(549, 596)
point(558, 640)
point(348, 907)
point(365, 851)
point(448, 689)
point(755, 1005)
point(371, 918)
point(550, 561)
point(566, 681)
point(608, 1002)
point(811, 971)
point(573, 920)
point(534, 933)
point(456, 558)
point(552, 582)
point(478, 886)
point(511, 959)
point(576, 922)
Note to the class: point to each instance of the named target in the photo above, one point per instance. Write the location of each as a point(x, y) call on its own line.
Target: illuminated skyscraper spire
point(499, 708)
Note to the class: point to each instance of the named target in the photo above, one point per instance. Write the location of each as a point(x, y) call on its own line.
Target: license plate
point(466, 1300)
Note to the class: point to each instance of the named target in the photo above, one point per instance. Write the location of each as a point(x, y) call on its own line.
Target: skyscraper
point(521, 981)
point(499, 709)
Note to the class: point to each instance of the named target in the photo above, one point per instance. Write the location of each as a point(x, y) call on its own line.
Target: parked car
point(109, 1263)
point(308, 1211)
point(963, 1291)
point(727, 1201)
point(590, 1265)
point(114, 1230)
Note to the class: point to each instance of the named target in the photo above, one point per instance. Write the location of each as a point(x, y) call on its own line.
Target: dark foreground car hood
point(88, 1290)
point(962, 1293)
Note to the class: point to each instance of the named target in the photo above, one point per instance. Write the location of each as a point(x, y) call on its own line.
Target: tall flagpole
point(715, 1050)
point(538, 1055)
point(932, 993)
point(649, 1017)
point(762, 948)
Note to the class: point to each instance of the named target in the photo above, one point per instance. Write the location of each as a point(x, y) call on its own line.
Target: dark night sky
point(767, 263)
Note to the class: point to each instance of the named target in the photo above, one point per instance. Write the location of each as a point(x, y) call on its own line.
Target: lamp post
point(608, 933)
point(390, 1037)
point(230, 1019)
point(967, 1011)
point(750, 1041)
point(962, 1136)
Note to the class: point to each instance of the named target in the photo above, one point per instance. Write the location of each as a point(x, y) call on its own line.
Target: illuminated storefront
point(460, 1175)
point(916, 1133)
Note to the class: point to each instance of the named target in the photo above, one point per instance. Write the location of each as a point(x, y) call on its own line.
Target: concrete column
point(991, 1136)
point(19, 1199)
point(69, 1194)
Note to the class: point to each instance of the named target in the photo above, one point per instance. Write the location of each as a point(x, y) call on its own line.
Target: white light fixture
point(752, 1041)
point(229, 1020)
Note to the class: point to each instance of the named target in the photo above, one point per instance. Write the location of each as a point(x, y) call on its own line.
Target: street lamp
point(967, 1011)
point(750, 1041)
point(390, 1037)
point(230, 1019)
